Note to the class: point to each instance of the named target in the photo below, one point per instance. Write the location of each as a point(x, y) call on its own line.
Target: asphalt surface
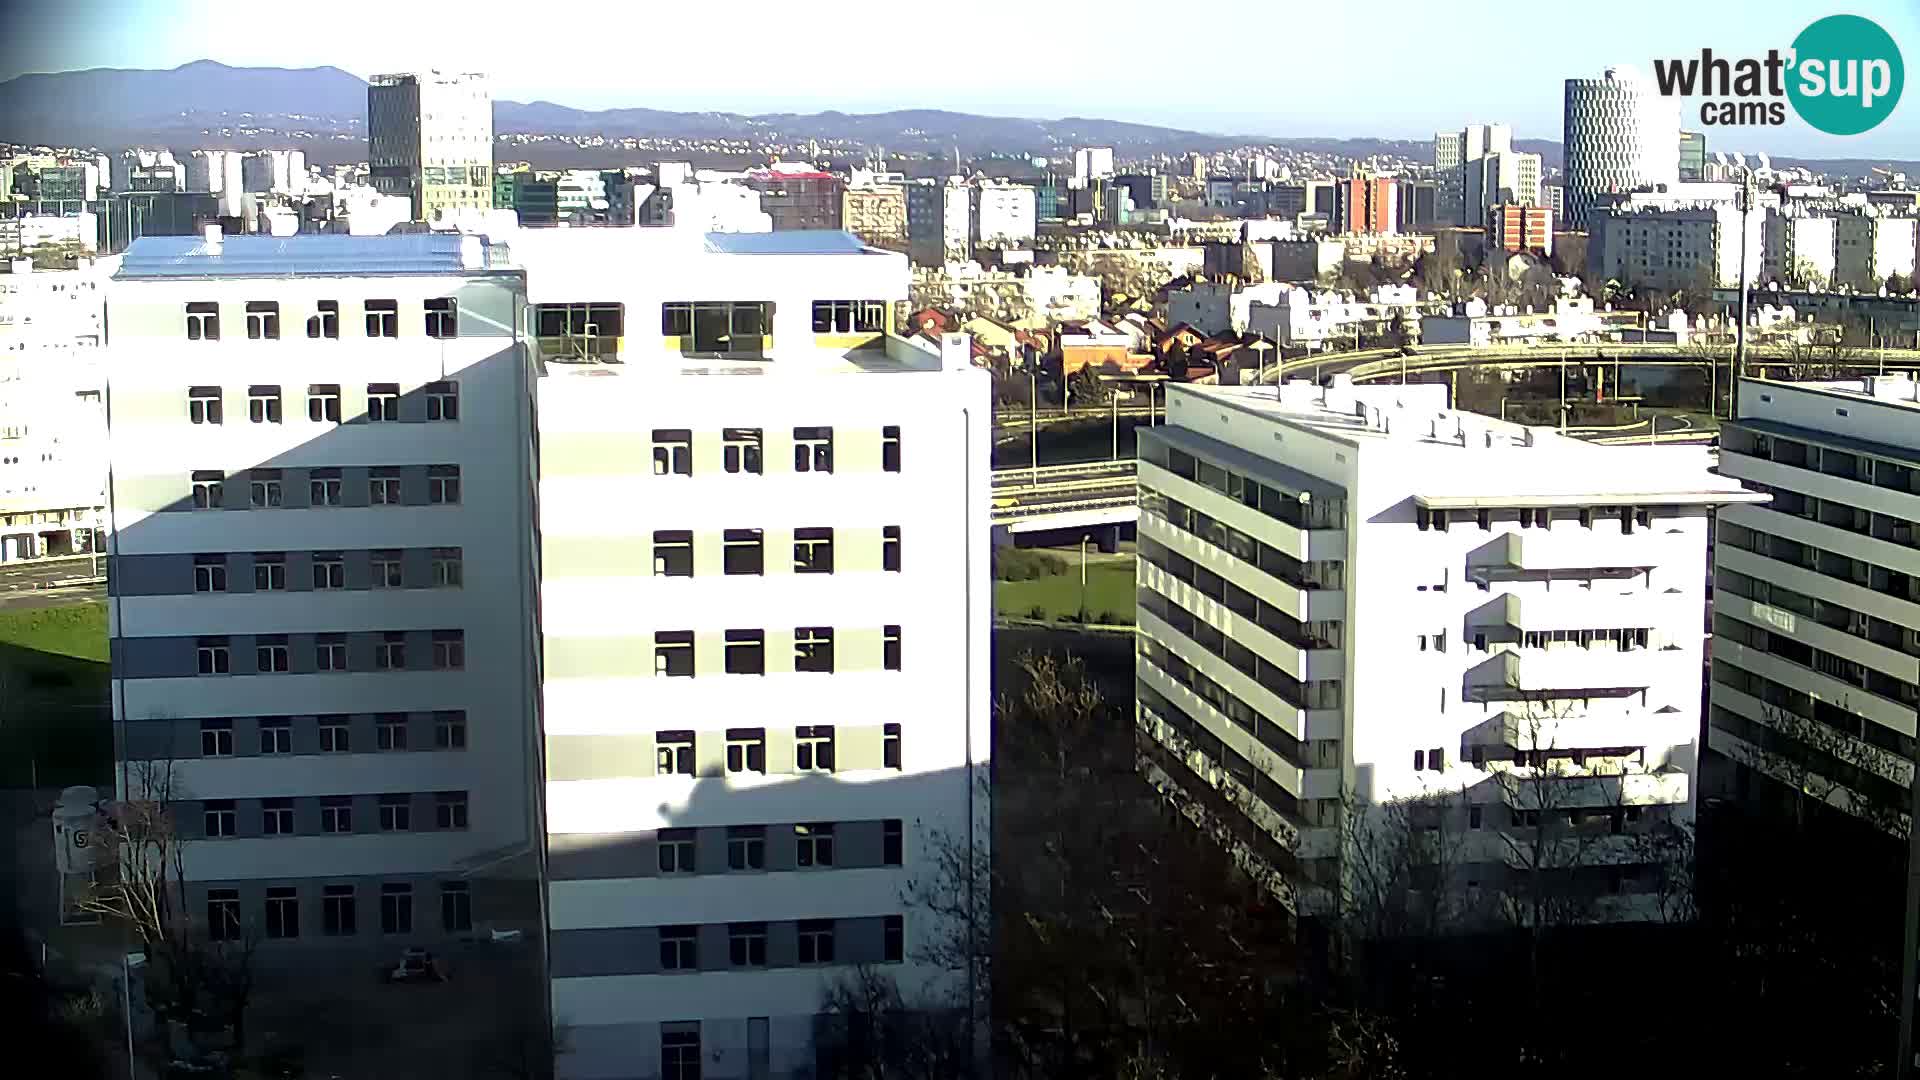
point(36, 584)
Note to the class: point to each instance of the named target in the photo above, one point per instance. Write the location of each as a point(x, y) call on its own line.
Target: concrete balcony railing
point(1566, 548)
point(1557, 790)
point(1560, 672)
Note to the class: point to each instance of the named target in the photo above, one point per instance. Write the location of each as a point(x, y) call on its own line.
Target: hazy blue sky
point(1395, 68)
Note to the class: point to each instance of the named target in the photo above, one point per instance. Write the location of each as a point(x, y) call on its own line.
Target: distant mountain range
point(323, 110)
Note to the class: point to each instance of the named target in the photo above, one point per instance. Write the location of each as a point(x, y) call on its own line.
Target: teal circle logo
point(1847, 75)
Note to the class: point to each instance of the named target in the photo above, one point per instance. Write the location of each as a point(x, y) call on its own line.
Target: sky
point(1290, 68)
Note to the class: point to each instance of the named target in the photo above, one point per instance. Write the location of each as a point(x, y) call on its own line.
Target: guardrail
point(1010, 513)
point(1024, 476)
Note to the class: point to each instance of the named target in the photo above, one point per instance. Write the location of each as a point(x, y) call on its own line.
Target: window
point(209, 573)
point(390, 731)
point(203, 405)
point(203, 322)
point(1437, 759)
point(816, 941)
point(390, 653)
point(276, 817)
point(213, 656)
point(335, 736)
point(740, 449)
point(1485, 517)
point(447, 570)
point(890, 647)
point(747, 944)
point(746, 847)
point(673, 753)
point(676, 851)
point(743, 551)
point(672, 553)
point(383, 318)
point(890, 548)
point(893, 939)
point(208, 489)
point(325, 323)
point(1643, 517)
point(680, 1051)
point(396, 908)
point(329, 650)
point(263, 489)
point(1473, 816)
point(813, 648)
point(383, 485)
point(443, 485)
point(216, 738)
point(813, 748)
point(218, 817)
point(263, 320)
point(450, 810)
point(890, 746)
point(746, 652)
point(890, 448)
point(813, 449)
point(336, 814)
point(673, 653)
point(672, 452)
point(386, 569)
point(337, 915)
point(814, 844)
point(276, 735)
point(270, 655)
point(223, 914)
point(450, 730)
point(456, 907)
point(813, 551)
point(449, 650)
point(580, 331)
point(443, 317)
point(747, 750)
point(443, 401)
point(679, 948)
point(323, 403)
point(383, 402)
point(892, 841)
point(849, 316)
point(396, 813)
point(323, 487)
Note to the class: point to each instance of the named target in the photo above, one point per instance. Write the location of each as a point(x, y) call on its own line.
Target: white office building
point(1620, 134)
point(1869, 248)
point(1356, 592)
point(1092, 163)
point(940, 222)
point(765, 607)
point(430, 138)
point(219, 172)
point(1799, 248)
point(278, 171)
point(1816, 613)
point(322, 600)
point(1003, 215)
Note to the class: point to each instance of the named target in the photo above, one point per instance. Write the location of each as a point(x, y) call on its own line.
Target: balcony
point(1567, 549)
point(1532, 790)
point(1560, 672)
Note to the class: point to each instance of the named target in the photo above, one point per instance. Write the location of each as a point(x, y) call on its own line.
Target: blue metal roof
point(315, 255)
point(794, 242)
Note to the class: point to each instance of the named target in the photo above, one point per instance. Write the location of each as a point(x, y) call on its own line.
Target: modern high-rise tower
point(430, 138)
point(1620, 135)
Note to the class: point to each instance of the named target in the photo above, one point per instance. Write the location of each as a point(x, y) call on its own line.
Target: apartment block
point(1521, 228)
point(765, 606)
point(1365, 204)
point(322, 606)
point(1816, 615)
point(1358, 595)
point(876, 213)
point(1869, 248)
point(430, 138)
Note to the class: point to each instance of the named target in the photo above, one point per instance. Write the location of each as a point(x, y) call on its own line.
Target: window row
point(744, 652)
point(1270, 733)
point(1317, 634)
point(1296, 508)
point(813, 845)
point(742, 450)
point(1198, 737)
point(442, 568)
point(440, 318)
point(227, 736)
point(1836, 565)
point(816, 942)
point(743, 551)
point(746, 749)
point(1320, 574)
point(709, 323)
point(274, 653)
point(266, 488)
point(1316, 694)
point(437, 401)
point(1542, 517)
point(339, 915)
point(220, 818)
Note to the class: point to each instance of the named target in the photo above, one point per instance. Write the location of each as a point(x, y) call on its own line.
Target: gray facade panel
point(413, 485)
point(354, 486)
point(150, 575)
point(162, 657)
point(612, 951)
point(581, 857)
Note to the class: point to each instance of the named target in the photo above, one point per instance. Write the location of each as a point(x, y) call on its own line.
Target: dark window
point(216, 738)
point(336, 814)
point(219, 818)
point(323, 403)
point(203, 405)
point(890, 548)
point(456, 907)
point(676, 851)
point(892, 842)
point(813, 648)
point(741, 449)
point(337, 915)
point(890, 746)
point(325, 323)
point(894, 939)
point(263, 404)
point(450, 810)
point(443, 485)
point(679, 948)
point(680, 1052)
point(672, 553)
point(263, 320)
point(396, 908)
point(209, 489)
point(743, 551)
point(283, 913)
point(673, 653)
point(450, 730)
point(816, 941)
point(209, 573)
point(203, 322)
point(747, 944)
point(746, 652)
point(814, 844)
point(890, 448)
point(383, 318)
point(383, 402)
point(276, 735)
point(813, 551)
point(443, 400)
point(443, 317)
point(890, 647)
point(672, 452)
point(813, 449)
point(673, 753)
point(223, 914)
point(747, 750)
point(396, 813)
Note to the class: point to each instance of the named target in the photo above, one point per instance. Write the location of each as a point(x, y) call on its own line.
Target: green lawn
point(78, 630)
point(1109, 590)
point(55, 724)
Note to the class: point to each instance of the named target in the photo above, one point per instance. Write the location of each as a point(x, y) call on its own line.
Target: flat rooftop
point(1454, 458)
point(314, 255)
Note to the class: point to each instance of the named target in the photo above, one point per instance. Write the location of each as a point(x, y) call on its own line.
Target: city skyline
point(761, 75)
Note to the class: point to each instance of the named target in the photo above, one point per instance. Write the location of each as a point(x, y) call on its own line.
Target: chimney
point(211, 239)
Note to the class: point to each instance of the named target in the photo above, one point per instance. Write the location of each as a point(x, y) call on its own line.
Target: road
point(47, 583)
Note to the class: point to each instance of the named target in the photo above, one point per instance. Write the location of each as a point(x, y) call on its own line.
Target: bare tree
point(1810, 759)
point(869, 1031)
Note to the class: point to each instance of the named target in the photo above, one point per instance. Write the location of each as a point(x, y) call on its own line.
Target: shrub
point(1017, 564)
point(1037, 612)
point(1108, 618)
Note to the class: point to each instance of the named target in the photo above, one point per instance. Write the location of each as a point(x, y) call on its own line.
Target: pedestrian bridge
point(1082, 495)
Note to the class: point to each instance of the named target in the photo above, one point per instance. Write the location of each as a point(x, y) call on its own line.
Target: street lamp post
point(1115, 395)
point(1033, 415)
point(1740, 332)
point(1083, 578)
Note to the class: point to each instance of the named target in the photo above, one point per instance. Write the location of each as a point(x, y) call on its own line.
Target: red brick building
point(1521, 228)
point(1365, 204)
